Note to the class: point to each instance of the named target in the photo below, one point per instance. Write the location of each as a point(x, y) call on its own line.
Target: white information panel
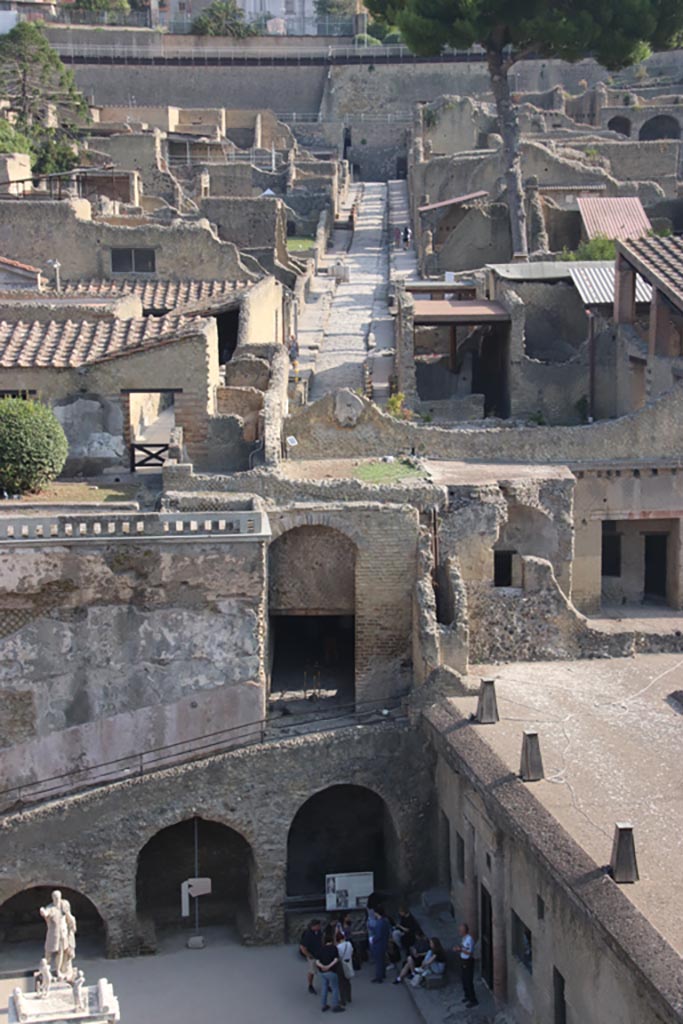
point(348, 892)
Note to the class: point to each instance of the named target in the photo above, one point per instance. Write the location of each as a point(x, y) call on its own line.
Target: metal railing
point(397, 117)
point(185, 751)
point(160, 51)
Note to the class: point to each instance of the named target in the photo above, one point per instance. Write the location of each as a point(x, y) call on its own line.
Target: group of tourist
point(334, 953)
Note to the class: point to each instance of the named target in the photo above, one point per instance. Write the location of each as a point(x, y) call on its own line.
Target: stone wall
point(250, 223)
point(28, 230)
point(653, 431)
point(96, 632)
point(95, 838)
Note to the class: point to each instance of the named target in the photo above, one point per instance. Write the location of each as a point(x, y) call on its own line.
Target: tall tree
point(615, 32)
point(223, 18)
point(41, 94)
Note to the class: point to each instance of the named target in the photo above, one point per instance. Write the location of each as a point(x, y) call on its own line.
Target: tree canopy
point(41, 94)
point(223, 18)
point(103, 6)
point(615, 32)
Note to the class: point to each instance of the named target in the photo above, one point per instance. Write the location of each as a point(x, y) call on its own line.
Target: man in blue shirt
point(466, 952)
point(379, 943)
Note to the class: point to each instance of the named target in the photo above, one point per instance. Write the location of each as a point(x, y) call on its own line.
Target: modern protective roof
point(615, 217)
point(71, 344)
point(455, 201)
point(660, 261)
point(453, 311)
point(594, 282)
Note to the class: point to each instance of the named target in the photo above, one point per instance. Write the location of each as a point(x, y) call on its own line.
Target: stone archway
point(22, 929)
point(312, 607)
point(662, 126)
point(170, 857)
point(620, 124)
point(343, 828)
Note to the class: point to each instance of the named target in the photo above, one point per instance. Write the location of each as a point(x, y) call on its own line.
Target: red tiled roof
point(614, 217)
point(19, 266)
point(72, 344)
point(660, 262)
point(157, 294)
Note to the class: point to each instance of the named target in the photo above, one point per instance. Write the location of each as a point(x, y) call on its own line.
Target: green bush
point(393, 38)
point(33, 446)
point(377, 29)
point(598, 248)
point(363, 39)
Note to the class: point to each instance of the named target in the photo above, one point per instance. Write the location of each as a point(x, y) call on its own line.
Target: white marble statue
point(54, 937)
point(67, 942)
point(43, 978)
point(80, 993)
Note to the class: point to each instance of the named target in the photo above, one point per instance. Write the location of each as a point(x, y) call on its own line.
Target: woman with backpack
point(346, 971)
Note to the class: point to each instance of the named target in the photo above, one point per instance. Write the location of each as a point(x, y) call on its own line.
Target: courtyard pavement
point(225, 983)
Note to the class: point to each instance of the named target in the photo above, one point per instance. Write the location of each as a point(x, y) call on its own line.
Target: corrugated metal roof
point(615, 217)
point(544, 270)
point(456, 201)
point(594, 282)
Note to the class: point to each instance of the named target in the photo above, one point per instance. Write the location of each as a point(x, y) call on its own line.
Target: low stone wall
point(653, 431)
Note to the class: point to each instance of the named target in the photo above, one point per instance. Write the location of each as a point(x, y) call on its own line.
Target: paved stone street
point(344, 344)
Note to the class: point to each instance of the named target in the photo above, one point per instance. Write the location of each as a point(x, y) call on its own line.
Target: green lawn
point(386, 472)
point(295, 244)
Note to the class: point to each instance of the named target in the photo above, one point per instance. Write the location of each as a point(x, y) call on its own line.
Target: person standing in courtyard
point(311, 947)
point(466, 952)
point(328, 964)
point(346, 971)
point(380, 942)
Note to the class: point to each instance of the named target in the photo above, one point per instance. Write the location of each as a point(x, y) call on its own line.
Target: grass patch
point(386, 472)
point(76, 492)
point(295, 244)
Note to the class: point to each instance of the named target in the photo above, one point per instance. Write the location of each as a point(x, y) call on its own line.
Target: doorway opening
point(168, 859)
point(228, 325)
point(655, 585)
point(152, 421)
point(313, 654)
point(341, 829)
point(490, 370)
point(22, 929)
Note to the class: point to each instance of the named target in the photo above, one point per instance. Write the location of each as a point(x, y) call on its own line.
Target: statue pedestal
point(57, 1007)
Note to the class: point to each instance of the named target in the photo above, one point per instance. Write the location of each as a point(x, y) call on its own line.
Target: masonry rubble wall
point(28, 230)
point(652, 431)
point(95, 837)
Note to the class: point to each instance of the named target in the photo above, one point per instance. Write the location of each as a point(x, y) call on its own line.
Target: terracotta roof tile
point(78, 343)
point(659, 261)
point(157, 295)
point(19, 266)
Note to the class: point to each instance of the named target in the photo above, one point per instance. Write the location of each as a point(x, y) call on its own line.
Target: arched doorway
point(22, 929)
point(171, 856)
point(663, 126)
point(620, 124)
point(341, 829)
point(312, 604)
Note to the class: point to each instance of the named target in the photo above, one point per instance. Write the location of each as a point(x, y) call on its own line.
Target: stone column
point(624, 292)
point(660, 325)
